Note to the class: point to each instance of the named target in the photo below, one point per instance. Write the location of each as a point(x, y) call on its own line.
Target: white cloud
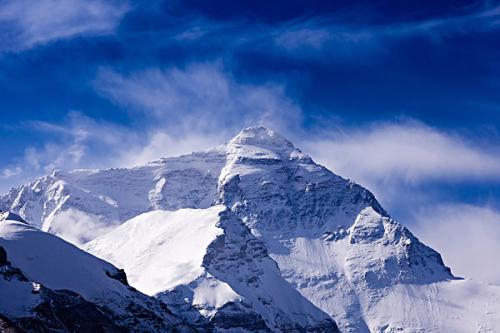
point(316, 35)
point(405, 152)
point(161, 144)
point(67, 150)
point(78, 227)
point(343, 37)
point(468, 238)
point(201, 97)
point(25, 24)
point(8, 172)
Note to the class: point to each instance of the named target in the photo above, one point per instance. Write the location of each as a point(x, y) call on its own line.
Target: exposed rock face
point(240, 259)
point(4, 216)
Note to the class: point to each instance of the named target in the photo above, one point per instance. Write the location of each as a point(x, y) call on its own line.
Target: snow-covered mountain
point(210, 258)
point(255, 233)
point(50, 285)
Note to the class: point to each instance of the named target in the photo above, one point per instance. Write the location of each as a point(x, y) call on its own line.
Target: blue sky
point(400, 96)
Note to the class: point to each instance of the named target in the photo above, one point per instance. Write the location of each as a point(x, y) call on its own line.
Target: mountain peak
point(261, 136)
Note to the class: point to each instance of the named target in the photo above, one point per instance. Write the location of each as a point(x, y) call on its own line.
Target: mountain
point(255, 232)
point(209, 257)
point(49, 285)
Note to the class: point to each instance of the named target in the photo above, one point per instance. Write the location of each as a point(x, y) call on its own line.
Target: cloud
point(65, 146)
point(200, 97)
point(8, 173)
point(409, 152)
point(468, 238)
point(334, 37)
point(69, 151)
point(78, 227)
point(317, 35)
point(25, 24)
point(343, 37)
point(160, 144)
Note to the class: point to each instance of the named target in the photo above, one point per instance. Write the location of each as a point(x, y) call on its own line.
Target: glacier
point(254, 235)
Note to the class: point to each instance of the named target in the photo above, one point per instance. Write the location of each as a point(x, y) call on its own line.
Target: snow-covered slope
point(209, 257)
point(47, 284)
point(83, 204)
point(326, 236)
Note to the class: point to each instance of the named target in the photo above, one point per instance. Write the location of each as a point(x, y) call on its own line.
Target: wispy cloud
point(182, 110)
point(337, 34)
point(25, 24)
point(409, 152)
point(467, 236)
point(202, 97)
point(332, 37)
point(162, 144)
point(66, 146)
point(9, 173)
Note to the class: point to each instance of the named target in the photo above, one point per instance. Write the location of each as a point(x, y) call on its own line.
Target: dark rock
point(7, 326)
point(119, 275)
point(3, 257)
point(232, 316)
point(66, 311)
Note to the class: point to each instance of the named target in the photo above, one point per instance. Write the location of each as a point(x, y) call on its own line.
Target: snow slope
point(200, 254)
point(172, 255)
point(325, 236)
point(42, 273)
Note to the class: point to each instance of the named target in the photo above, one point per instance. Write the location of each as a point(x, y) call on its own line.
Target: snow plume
point(200, 96)
point(467, 236)
point(193, 108)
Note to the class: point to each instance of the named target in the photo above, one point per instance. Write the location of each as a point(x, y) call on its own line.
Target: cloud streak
point(200, 97)
point(338, 34)
point(332, 37)
point(409, 152)
point(25, 24)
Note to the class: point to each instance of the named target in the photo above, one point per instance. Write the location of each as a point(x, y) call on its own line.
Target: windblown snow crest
point(254, 236)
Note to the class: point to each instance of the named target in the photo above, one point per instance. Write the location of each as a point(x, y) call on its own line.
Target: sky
point(403, 97)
